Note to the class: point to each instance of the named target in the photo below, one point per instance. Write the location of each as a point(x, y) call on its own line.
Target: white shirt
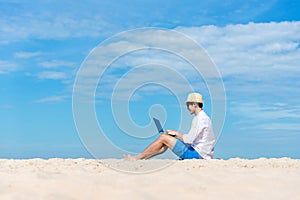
point(201, 135)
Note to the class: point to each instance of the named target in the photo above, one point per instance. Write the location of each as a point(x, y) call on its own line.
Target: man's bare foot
point(130, 157)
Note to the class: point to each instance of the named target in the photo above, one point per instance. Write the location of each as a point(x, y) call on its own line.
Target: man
point(197, 143)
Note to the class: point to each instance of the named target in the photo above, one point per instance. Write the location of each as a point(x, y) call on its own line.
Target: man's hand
point(171, 132)
point(175, 133)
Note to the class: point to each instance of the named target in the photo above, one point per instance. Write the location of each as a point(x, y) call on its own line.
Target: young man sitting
point(198, 143)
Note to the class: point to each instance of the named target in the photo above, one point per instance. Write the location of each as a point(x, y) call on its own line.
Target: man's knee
point(165, 138)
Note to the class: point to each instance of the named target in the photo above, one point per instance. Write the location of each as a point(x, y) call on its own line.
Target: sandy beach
point(150, 179)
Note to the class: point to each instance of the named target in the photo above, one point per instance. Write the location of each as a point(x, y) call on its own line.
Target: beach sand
point(150, 179)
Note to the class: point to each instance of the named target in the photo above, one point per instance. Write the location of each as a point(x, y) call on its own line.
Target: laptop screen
point(158, 125)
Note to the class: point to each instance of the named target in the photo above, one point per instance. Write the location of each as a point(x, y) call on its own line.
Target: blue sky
point(254, 45)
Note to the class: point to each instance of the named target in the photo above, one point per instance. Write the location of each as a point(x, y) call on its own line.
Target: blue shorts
point(185, 151)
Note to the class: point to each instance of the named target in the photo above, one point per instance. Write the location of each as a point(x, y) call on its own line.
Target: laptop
point(159, 127)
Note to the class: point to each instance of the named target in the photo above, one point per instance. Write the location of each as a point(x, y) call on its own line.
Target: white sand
point(188, 179)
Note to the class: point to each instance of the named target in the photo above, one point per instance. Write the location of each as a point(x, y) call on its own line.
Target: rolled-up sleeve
point(196, 129)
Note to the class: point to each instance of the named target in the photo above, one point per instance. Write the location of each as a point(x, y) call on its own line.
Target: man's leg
point(159, 146)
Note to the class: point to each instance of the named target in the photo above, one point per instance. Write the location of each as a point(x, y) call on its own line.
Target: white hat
point(194, 98)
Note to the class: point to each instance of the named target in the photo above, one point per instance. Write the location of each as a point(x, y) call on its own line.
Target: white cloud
point(149, 78)
point(249, 56)
point(280, 126)
point(51, 99)
point(266, 116)
point(56, 63)
point(54, 75)
point(51, 25)
point(251, 48)
point(236, 49)
point(23, 54)
point(7, 67)
point(168, 50)
point(278, 47)
point(266, 111)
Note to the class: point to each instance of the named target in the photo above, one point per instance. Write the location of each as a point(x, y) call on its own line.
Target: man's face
point(191, 107)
